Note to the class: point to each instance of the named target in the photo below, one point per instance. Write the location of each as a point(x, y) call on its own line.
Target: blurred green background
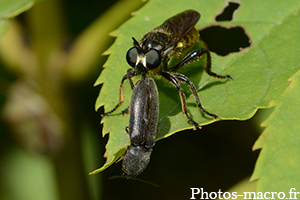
point(51, 135)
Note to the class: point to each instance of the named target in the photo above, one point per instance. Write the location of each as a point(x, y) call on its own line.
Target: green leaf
point(260, 72)
point(12, 8)
point(279, 159)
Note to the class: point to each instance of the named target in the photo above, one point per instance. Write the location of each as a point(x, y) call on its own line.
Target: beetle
point(177, 37)
point(143, 120)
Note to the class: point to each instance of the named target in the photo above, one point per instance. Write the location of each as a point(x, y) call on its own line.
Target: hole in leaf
point(224, 41)
point(228, 12)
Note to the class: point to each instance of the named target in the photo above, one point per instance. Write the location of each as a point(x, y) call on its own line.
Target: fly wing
point(180, 24)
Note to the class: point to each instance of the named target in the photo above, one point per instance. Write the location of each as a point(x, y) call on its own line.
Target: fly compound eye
point(131, 56)
point(153, 59)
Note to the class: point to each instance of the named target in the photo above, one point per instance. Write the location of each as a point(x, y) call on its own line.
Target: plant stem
point(88, 47)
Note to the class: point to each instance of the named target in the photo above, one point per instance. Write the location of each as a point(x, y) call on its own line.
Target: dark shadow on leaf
point(211, 84)
point(195, 105)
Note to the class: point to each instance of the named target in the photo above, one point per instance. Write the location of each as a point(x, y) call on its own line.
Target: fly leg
point(185, 79)
point(171, 77)
point(195, 55)
point(128, 76)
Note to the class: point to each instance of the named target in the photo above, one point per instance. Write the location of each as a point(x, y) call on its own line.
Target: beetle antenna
point(134, 179)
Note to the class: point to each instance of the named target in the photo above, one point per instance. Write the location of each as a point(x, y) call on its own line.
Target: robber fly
point(175, 38)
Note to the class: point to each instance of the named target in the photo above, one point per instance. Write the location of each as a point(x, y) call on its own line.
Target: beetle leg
point(192, 86)
point(123, 156)
point(170, 77)
point(195, 55)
